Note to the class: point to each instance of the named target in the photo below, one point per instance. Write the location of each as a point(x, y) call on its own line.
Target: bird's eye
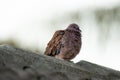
point(74, 27)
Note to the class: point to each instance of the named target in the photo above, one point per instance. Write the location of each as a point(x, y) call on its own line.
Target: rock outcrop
point(18, 64)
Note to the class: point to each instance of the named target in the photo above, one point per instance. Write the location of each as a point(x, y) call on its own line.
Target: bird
point(65, 44)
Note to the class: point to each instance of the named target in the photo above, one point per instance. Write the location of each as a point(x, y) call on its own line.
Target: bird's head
point(73, 27)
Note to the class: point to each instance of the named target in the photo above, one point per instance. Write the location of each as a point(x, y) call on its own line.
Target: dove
point(65, 44)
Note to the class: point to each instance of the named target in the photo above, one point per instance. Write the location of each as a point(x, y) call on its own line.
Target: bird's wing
point(54, 45)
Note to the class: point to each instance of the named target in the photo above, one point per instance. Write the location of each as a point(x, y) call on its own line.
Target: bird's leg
point(59, 57)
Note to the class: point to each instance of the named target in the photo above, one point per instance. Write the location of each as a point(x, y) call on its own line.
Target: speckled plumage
point(65, 44)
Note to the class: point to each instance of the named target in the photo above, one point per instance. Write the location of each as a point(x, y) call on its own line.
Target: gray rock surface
point(18, 64)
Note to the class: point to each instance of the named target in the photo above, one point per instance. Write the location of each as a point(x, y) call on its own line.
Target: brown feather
point(65, 44)
point(71, 43)
point(53, 47)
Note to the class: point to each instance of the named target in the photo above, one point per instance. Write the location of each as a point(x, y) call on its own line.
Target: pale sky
point(25, 20)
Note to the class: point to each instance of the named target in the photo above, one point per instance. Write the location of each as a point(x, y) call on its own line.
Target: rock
point(101, 70)
point(18, 64)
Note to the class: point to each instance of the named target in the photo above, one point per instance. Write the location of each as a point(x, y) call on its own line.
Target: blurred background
point(30, 24)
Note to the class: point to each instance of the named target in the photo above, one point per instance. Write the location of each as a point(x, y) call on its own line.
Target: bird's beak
point(79, 30)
